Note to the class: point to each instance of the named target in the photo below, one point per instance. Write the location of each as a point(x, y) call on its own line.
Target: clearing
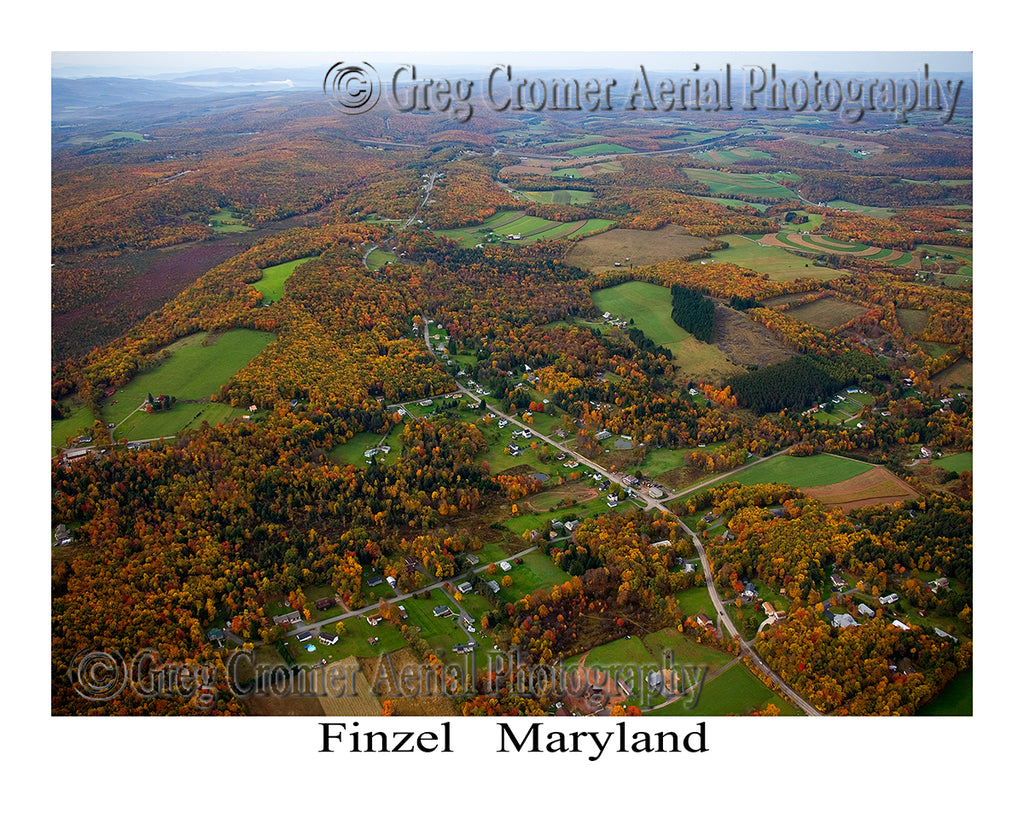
point(872, 488)
point(634, 248)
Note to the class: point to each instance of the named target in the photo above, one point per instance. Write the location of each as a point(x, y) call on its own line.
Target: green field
point(812, 470)
point(780, 265)
point(134, 136)
point(955, 700)
point(272, 283)
point(228, 221)
point(714, 157)
point(867, 210)
point(535, 572)
point(650, 307)
point(197, 367)
point(600, 148)
point(352, 451)
point(961, 462)
point(567, 196)
point(78, 421)
point(735, 691)
point(378, 258)
point(745, 184)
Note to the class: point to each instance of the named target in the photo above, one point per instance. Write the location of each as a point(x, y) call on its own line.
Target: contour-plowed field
point(876, 486)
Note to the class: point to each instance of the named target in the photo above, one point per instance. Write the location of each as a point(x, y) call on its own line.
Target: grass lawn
point(621, 652)
point(352, 451)
point(535, 572)
point(228, 221)
point(960, 462)
point(955, 700)
point(378, 258)
point(272, 283)
point(197, 367)
point(684, 650)
point(735, 691)
point(696, 600)
point(80, 420)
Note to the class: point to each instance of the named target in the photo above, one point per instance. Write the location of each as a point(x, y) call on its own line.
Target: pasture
point(195, 368)
point(505, 224)
point(564, 196)
point(961, 374)
point(228, 221)
point(961, 462)
point(812, 470)
point(599, 149)
point(744, 184)
point(377, 258)
point(736, 691)
point(827, 313)
point(272, 283)
point(650, 307)
point(641, 247)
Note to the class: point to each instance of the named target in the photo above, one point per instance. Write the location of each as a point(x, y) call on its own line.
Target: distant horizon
point(150, 65)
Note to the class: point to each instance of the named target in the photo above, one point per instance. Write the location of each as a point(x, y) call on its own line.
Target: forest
point(372, 437)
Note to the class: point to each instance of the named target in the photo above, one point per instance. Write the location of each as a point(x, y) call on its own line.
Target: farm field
point(872, 488)
point(600, 148)
point(961, 462)
point(535, 572)
point(504, 224)
point(351, 698)
point(650, 307)
point(961, 374)
point(641, 247)
point(567, 196)
point(744, 184)
point(735, 691)
point(728, 157)
point(377, 258)
point(812, 470)
point(826, 313)
point(228, 221)
point(80, 420)
point(867, 210)
point(197, 367)
point(955, 700)
point(780, 265)
point(272, 283)
point(912, 321)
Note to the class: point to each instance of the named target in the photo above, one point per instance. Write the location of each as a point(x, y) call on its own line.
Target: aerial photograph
point(511, 385)
point(470, 408)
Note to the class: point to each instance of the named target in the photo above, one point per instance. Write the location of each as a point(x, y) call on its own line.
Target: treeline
point(802, 380)
point(694, 312)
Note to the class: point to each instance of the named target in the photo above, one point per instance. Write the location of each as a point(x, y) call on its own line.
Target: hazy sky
point(142, 63)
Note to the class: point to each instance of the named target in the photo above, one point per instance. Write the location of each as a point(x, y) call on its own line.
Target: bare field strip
point(343, 701)
point(826, 313)
point(642, 247)
point(871, 488)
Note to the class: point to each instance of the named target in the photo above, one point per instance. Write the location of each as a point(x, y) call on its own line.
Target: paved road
point(723, 617)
